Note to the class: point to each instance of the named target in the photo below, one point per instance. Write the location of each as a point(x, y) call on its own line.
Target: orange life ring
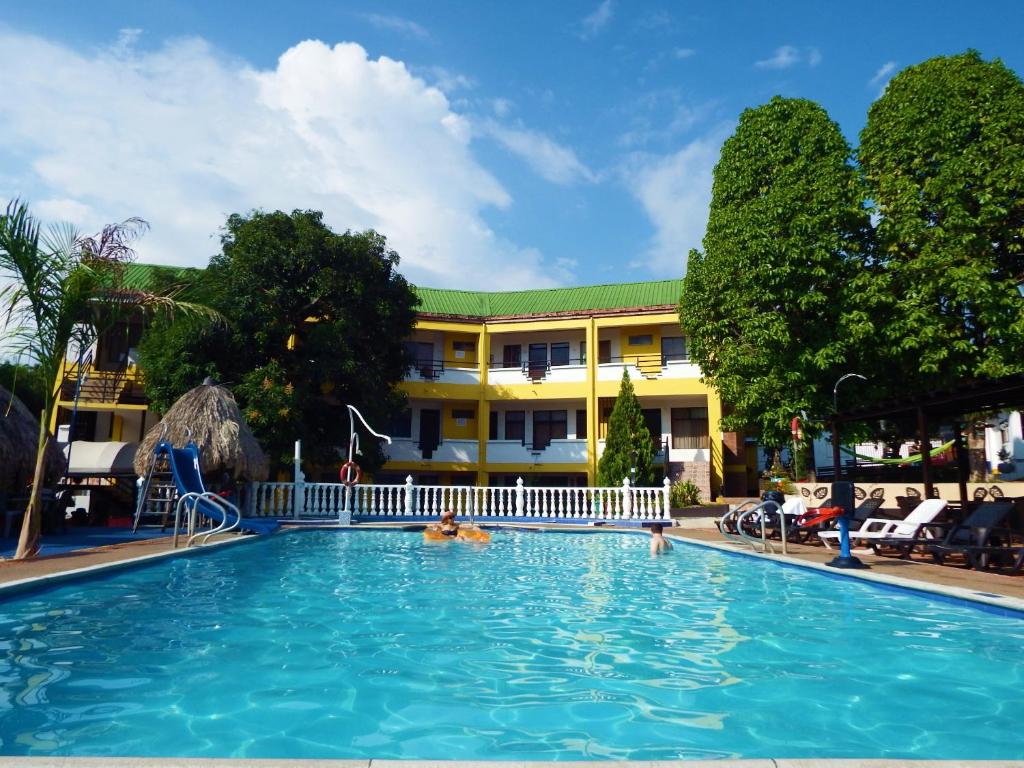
point(820, 515)
point(346, 478)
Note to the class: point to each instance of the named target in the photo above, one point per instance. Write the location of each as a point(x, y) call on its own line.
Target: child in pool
point(659, 544)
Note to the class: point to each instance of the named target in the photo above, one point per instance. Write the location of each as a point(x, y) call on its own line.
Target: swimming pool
point(543, 646)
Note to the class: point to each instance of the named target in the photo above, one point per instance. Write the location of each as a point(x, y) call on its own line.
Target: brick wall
point(697, 472)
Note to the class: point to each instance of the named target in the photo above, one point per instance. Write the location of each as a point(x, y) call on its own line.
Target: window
point(643, 340)
point(548, 426)
point(401, 424)
point(560, 353)
point(690, 428)
point(604, 351)
point(492, 427)
point(511, 356)
point(583, 353)
point(673, 348)
point(464, 350)
point(538, 360)
point(515, 425)
point(463, 415)
point(581, 425)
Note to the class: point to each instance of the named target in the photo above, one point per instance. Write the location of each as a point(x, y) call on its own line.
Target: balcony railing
point(449, 450)
point(444, 371)
point(366, 503)
point(572, 369)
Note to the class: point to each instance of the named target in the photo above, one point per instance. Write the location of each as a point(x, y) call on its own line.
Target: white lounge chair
point(878, 528)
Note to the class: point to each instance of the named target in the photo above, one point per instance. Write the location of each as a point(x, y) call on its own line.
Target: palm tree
point(62, 290)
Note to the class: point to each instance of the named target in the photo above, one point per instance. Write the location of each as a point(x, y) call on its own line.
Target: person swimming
point(448, 526)
point(659, 544)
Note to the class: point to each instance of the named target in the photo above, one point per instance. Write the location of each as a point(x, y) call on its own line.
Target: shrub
point(683, 493)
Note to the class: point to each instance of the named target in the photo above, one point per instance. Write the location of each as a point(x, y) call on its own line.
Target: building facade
point(504, 385)
point(522, 383)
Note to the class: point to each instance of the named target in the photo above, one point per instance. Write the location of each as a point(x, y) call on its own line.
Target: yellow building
point(521, 384)
point(505, 385)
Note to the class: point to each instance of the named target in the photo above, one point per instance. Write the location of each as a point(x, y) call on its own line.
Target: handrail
point(195, 496)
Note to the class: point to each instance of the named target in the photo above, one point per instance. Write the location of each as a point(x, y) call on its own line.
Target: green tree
point(942, 154)
point(64, 290)
point(771, 306)
point(628, 446)
point(316, 319)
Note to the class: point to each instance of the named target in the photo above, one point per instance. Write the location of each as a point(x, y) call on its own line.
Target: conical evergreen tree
point(628, 445)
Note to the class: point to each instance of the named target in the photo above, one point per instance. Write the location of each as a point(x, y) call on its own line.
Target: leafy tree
point(628, 446)
point(771, 306)
point(943, 157)
point(316, 319)
point(64, 290)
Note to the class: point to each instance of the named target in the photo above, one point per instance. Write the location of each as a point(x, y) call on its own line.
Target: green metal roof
point(441, 301)
point(481, 304)
point(140, 276)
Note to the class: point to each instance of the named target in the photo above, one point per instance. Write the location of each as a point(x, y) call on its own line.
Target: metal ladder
point(158, 493)
point(731, 526)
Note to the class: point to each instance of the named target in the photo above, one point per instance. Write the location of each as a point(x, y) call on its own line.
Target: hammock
point(902, 460)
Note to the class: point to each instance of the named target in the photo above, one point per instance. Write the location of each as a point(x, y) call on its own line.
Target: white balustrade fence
point(325, 501)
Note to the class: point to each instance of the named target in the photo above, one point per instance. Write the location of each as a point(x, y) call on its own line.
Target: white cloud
point(784, 57)
point(182, 137)
point(397, 24)
point(683, 53)
point(813, 57)
point(882, 76)
point(675, 191)
point(547, 158)
point(501, 107)
point(597, 20)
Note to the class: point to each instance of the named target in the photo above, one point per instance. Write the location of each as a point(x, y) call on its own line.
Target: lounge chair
point(977, 538)
point(863, 511)
point(879, 530)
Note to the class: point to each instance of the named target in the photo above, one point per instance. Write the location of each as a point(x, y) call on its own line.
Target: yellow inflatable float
point(464, 534)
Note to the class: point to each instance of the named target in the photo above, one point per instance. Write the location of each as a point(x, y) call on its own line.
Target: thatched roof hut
point(19, 441)
point(209, 412)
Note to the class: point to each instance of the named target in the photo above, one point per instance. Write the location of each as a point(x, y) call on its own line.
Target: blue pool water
point(537, 646)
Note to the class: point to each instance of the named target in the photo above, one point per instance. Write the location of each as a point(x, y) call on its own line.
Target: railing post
point(666, 510)
point(627, 499)
point(520, 500)
point(410, 502)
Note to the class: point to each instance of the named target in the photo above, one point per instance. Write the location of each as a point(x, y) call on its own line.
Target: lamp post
point(836, 464)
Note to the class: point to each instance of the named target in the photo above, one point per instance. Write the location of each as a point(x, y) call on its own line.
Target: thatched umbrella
point(209, 412)
point(19, 443)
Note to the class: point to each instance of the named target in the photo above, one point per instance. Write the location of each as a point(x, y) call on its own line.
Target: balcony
point(529, 373)
point(557, 452)
point(449, 451)
point(444, 372)
point(652, 366)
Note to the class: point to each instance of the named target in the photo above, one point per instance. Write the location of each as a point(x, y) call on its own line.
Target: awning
point(101, 459)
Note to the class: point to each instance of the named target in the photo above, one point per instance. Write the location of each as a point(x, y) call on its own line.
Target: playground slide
point(185, 469)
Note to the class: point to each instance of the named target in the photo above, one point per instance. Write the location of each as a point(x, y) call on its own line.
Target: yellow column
point(117, 429)
point(715, 441)
point(592, 414)
point(483, 412)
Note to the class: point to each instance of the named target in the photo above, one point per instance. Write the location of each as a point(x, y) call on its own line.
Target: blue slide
point(185, 469)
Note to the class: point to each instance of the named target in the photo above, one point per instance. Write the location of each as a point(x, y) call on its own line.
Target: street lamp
point(835, 389)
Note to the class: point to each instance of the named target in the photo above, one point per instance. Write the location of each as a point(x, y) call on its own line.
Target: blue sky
point(497, 145)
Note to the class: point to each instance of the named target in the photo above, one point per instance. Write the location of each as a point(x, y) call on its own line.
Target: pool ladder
point(732, 523)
